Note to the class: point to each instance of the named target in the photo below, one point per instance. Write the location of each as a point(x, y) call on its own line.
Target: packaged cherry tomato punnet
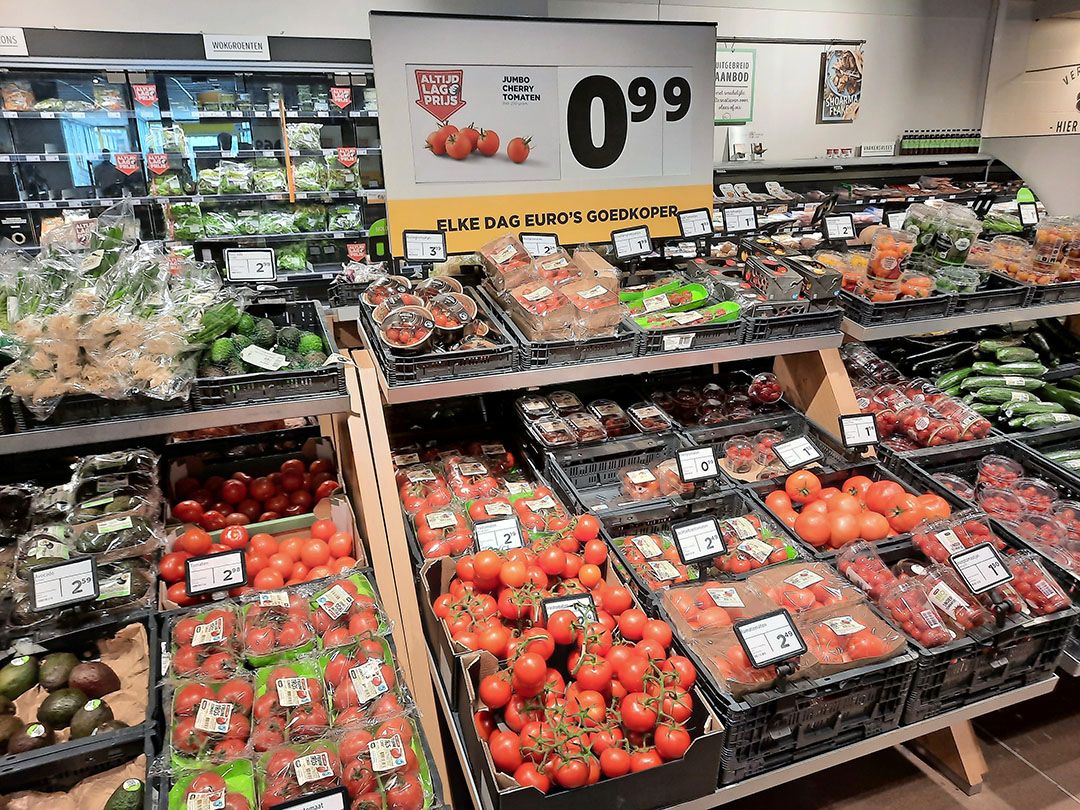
point(863, 566)
point(506, 262)
point(558, 268)
point(541, 311)
point(209, 723)
point(363, 684)
point(290, 704)
point(1041, 591)
point(800, 587)
point(753, 542)
point(277, 625)
point(597, 310)
point(205, 645)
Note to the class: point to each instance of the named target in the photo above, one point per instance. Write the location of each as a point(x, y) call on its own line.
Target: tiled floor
point(1032, 751)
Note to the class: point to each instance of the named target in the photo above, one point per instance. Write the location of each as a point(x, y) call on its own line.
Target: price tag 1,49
point(539, 244)
point(498, 535)
point(215, 572)
point(250, 264)
point(630, 243)
point(424, 246)
point(695, 222)
point(698, 539)
point(858, 430)
point(697, 464)
point(740, 219)
point(336, 799)
point(66, 583)
point(770, 638)
point(981, 567)
point(581, 604)
point(797, 453)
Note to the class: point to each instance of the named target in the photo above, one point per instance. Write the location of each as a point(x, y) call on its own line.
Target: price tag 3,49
point(215, 572)
point(424, 246)
point(65, 583)
point(770, 638)
point(697, 464)
point(698, 539)
point(498, 535)
point(981, 568)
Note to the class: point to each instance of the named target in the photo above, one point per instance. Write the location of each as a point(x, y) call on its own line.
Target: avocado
point(94, 678)
point(19, 675)
point(129, 796)
point(110, 725)
point(7, 706)
point(9, 724)
point(89, 716)
point(60, 706)
point(54, 669)
point(31, 738)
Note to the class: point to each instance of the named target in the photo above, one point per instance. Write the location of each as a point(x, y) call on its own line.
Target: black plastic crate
point(1001, 292)
point(568, 352)
point(875, 313)
point(770, 729)
point(967, 670)
point(684, 338)
point(75, 760)
point(346, 294)
point(86, 409)
point(1046, 442)
point(442, 365)
point(784, 327)
point(273, 386)
point(1059, 292)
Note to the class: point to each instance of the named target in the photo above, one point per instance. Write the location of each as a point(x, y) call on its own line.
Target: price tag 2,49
point(698, 539)
point(581, 604)
point(424, 246)
point(797, 453)
point(215, 572)
point(981, 567)
point(858, 430)
point(697, 464)
point(770, 638)
point(498, 535)
point(66, 583)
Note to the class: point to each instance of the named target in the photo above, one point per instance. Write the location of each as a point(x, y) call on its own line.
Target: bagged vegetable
point(277, 221)
point(310, 174)
point(310, 218)
point(185, 220)
point(235, 177)
point(292, 257)
point(341, 177)
point(345, 218)
point(269, 180)
point(304, 135)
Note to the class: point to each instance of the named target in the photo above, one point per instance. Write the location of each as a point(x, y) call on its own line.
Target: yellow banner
point(576, 216)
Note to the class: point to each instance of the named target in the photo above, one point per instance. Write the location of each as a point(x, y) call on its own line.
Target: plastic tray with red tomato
point(210, 723)
point(443, 531)
point(469, 477)
point(205, 645)
point(364, 685)
point(290, 704)
point(422, 486)
point(277, 625)
point(346, 610)
point(232, 783)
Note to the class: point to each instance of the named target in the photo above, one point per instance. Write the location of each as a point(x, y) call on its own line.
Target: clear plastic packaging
point(443, 531)
point(565, 402)
point(557, 268)
point(908, 605)
point(862, 565)
point(956, 485)
point(209, 723)
point(289, 772)
point(888, 253)
point(960, 609)
point(1002, 504)
point(753, 542)
point(587, 428)
point(730, 666)
point(541, 311)
point(388, 760)
point(304, 135)
point(276, 625)
point(960, 229)
point(364, 687)
point(205, 645)
point(469, 477)
point(384, 287)
point(923, 222)
point(232, 783)
point(552, 432)
point(532, 407)
point(345, 611)
point(706, 607)
point(541, 511)
point(851, 636)
point(799, 587)
point(648, 418)
point(596, 306)
point(408, 330)
point(506, 262)
point(615, 420)
point(1040, 591)
point(421, 486)
point(1036, 495)
point(290, 704)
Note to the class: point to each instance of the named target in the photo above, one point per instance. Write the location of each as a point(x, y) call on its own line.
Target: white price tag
point(66, 583)
point(632, 242)
point(698, 540)
point(655, 303)
point(981, 568)
point(540, 244)
point(896, 220)
point(858, 430)
point(671, 343)
point(498, 535)
point(740, 219)
point(215, 572)
point(770, 638)
point(581, 604)
point(839, 227)
point(797, 453)
point(263, 358)
point(250, 264)
point(696, 222)
point(697, 464)
point(1029, 213)
point(424, 246)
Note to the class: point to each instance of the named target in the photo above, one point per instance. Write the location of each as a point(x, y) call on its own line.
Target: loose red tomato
point(194, 542)
point(802, 486)
point(234, 537)
point(171, 567)
point(188, 511)
point(672, 741)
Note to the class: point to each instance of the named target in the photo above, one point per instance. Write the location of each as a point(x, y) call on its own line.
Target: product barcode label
point(209, 633)
point(386, 753)
point(368, 681)
point(113, 525)
point(554, 264)
point(686, 318)
point(945, 598)
point(655, 303)
point(335, 602)
point(949, 541)
point(593, 292)
point(843, 625)
point(541, 504)
point(647, 412)
point(646, 545)
point(440, 520)
point(725, 597)
point(213, 717)
point(416, 476)
point(757, 549)
point(471, 468)
point(312, 768)
point(273, 599)
point(804, 578)
point(293, 691)
point(664, 570)
point(504, 254)
point(539, 294)
point(405, 459)
point(641, 476)
point(743, 529)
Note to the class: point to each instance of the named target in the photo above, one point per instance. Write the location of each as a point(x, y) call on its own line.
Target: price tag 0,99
point(65, 583)
point(697, 464)
point(797, 453)
point(215, 572)
point(630, 243)
point(250, 264)
point(336, 799)
point(424, 246)
point(539, 244)
point(858, 430)
point(839, 227)
point(698, 539)
point(770, 638)
point(695, 222)
point(502, 534)
point(981, 567)
point(580, 604)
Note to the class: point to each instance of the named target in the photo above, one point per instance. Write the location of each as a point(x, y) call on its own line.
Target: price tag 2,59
point(539, 244)
point(797, 453)
point(66, 583)
point(698, 540)
point(631, 242)
point(770, 638)
point(424, 246)
point(498, 535)
point(580, 604)
point(250, 264)
point(697, 464)
point(215, 572)
point(981, 567)
point(695, 222)
point(858, 430)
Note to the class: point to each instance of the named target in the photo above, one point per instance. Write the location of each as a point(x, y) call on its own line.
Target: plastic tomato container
point(998, 471)
point(888, 253)
point(1035, 494)
point(908, 605)
point(1040, 590)
point(863, 566)
point(506, 262)
point(597, 311)
point(611, 415)
point(557, 268)
point(541, 311)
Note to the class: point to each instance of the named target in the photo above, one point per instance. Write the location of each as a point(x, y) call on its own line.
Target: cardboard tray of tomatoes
point(875, 313)
point(873, 471)
point(68, 762)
